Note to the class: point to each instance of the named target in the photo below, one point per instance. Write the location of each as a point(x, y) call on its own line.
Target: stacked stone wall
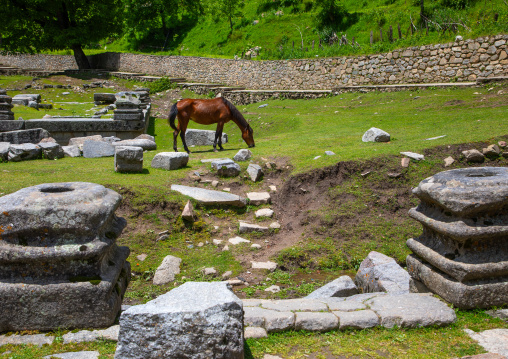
point(452, 62)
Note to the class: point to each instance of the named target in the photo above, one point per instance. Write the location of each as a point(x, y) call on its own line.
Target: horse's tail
point(172, 115)
point(235, 113)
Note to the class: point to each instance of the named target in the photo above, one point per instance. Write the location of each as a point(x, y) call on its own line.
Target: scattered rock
point(263, 105)
point(188, 213)
point(273, 289)
point(255, 172)
point(96, 149)
point(273, 188)
point(141, 257)
point(243, 155)
point(217, 241)
point(414, 156)
point(227, 274)
point(166, 272)
point(491, 151)
point(394, 174)
point(248, 228)
point(34, 339)
point(215, 183)
point(271, 266)
point(493, 340)
point(71, 151)
point(256, 246)
point(499, 313)
point(448, 161)
point(434, 138)
point(376, 135)
point(226, 168)
point(80, 141)
point(340, 287)
point(264, 212)
point(275, 225)
point(128, 159)
point(405, 162)
point(255, 332)
point(170, 160)
point(501, 144)
point(329, 153)
point(23, 152)
point(51, 150)
point(145, 136)
point(209, 271)
point(209, 197)
point(317, 157)
point(257, 198)
point(238, 240)
point(380, 273)
point(473, 156)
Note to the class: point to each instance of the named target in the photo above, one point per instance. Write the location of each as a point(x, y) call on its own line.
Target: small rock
point(492, 151)
point(227, 274)
point(200, 244)
point(329, 153)
point(235, 282)
point(256, 333)
point(263, 105)
point(264, 212)
point(448, 161)
point(434, 138)
point(273, 188)
point(271, 266)
point(275, 225)
point(166, 272)
point(75, 355)
point(376, 135)
point(217, 241)
point(243, 155)
point(317, 157)
point(226, 248)
point(209, 271)
point(394, 174)
point(227, 189)
point(170, 160)
point(273, 289)
point(71, 151)
point(501, 144)
point(340, 287)
point(188, 213)
point(248, 227)
point(365, 173)
point(215, 183)
point(238, 240)
point(414, 156)
point(257, 198)
point(256, 246)
point(405, 162)
point(268, 356)
point(141, 257)
point(255, 172)
point(473, 156)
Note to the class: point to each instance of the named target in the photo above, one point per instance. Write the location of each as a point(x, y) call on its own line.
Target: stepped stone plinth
point(462, 254)
point(128, 109)
point(60, 266)
point(5, 107)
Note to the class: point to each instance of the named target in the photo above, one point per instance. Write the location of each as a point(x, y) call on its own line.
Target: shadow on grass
point(219, 151)
point(144, 172)
point(247, 352)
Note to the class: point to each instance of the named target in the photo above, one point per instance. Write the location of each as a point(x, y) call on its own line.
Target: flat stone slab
point(24, 136)
point(110, 333)
point(145, 144)
point(271, 266)
point(170, 160)
point(210, 197)
point(255, 332)
point(35, 339)
point(96, 149)
point(493, 340)
point(238, 240)
point(316, 322)
point(257, 198)
point(414, 156)
point(360, 319)
point(248, 228)
point(210, 160)
point(75, 355)
point(295, 305)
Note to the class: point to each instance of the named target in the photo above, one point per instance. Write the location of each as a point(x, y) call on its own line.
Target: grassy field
point(343, 217)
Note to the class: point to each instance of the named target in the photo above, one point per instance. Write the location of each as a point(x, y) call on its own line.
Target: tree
point(229, 9)
point(155, 21)
point(35, 25)
point(332, 14)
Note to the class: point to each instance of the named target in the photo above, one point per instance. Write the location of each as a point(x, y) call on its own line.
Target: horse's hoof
point(215, 150)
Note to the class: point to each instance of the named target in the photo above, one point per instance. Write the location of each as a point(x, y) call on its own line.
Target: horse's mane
point(236, 114)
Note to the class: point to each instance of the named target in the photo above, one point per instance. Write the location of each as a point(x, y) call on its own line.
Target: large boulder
point(34, 135)
point(202, 137)
point(128, 159)
point(170, 160)
point(195, 320)
point(25, 151)
point(340, 287)
point(380, 273)
point(376, 135)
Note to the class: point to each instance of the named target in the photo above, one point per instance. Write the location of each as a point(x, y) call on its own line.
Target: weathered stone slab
point(340, 287)
point(97, 149)
point(493, 340)
point(145, 144)
point(195, 320)
point(23, 152)
point(295, 305)
point(110, 333)
point(243, 155)
point(80, 141)
point(257, 198)
point(128, 159)
point(202, 137)
point(75, 355)
point(255, 172)
point(411, 310)
point(104, 98)
point(376, 135)
point(380, 273)
point(228, 169)
point(238, 240)
point(71, 151)
point(51, 150)
point(339, 304)
point(209, 197)
point(4, 150)
point(210, 160)
point(24, 136)
point(361, 319)
point(271, 320)
point(413, 156)
point(166, 272)
point(34, 339)
point(316, 322)
point(271, 266)
point(33, 97)
point(11, 125)
point(170, 160)
point(254, 332)
point(248, 228)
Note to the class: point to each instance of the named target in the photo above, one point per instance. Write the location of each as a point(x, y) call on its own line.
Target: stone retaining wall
point(452, 62)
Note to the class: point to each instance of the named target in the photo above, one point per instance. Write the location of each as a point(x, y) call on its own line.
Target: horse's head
point(248, 136)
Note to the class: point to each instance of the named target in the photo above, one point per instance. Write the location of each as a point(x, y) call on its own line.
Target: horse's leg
point(220, 127)
point(175, 137)
point(183, 129)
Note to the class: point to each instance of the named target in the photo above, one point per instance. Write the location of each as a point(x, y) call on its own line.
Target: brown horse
point(206, 112)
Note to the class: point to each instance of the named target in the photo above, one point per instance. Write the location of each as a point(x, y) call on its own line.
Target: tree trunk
point(422, 10)
point(80, 57)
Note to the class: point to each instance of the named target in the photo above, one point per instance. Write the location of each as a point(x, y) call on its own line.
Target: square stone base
point(468, 295)
point(51, 305)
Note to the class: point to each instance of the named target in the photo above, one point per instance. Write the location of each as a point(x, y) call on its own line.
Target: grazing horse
point(205, 112)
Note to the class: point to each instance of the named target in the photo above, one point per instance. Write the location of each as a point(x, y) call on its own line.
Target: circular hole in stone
point(481, 174)
point(83, 248)
point(56, 189)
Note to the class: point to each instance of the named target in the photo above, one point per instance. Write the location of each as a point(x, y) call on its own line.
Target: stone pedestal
point(60, 266)
point(129, 110)
point(462, 254)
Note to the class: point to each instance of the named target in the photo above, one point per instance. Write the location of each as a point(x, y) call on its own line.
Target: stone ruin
point(60, 266)
point(462, 254)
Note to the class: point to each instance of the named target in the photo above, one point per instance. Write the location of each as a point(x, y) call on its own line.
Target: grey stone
point(275, 225)
point(329, 153)
point(238, 240)
point(243, 155)
point(271, 266)
point(78, 277)
point(128, 159)
point(255, 172)
point(380, 273)
point(92, 335)
point(51, 150)
point(361, 298)
point(80, 141)
point(202, 137)
point(146, 145)
point(376, 135)
point(317, 322)
point(170, 160)
point(23, 152)
point(415, 286)
point(102, 111)
point(273, 289)
point(209, 271)
point(492, 340)
point(195, 320)
point(411, 310)
point(473, 156)
point(226, 168)
point(33, 104)
point(128, 97)
point(264, 212)
point(257, 198)
point(295, 305)
point(145, 136)
point(210, 160)
point(491, 151)
point(75, 355)
point(339, 304)
point(166, 272)
point(448, 161)
point(34, 339)
point(32, 97)
point(71, 151)
point(209, 197)
point(499, 313)
point(413, 156)
point(104, 97)
point(4, 150)
point(361, 319)
point(96, 149)
point(188, 212)
point(271, 320)
point(248, 228)
point(340, 287)
point(34, 135)
point(254, 332)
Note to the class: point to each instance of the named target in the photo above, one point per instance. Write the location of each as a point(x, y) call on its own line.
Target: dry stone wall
point(460, 61)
